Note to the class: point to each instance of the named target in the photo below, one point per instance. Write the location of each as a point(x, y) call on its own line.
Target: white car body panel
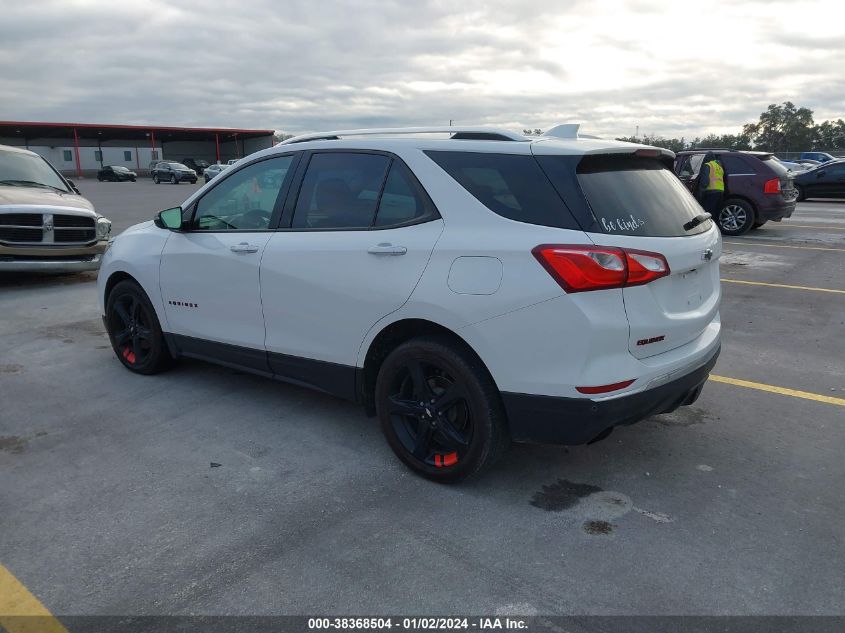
point(322, 290)
point(210, 292)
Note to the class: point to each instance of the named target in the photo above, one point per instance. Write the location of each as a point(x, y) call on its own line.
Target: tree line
point(781, 128)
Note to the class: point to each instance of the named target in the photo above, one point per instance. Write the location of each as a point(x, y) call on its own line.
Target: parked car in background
point(116, 173)
point(174, 173)
point(822, 157)
point(213, 170)
point(758, 188)
point(807, 162)
point(198, 165)
point(469, 291)
point(232, 161)
point(45, 224)
point(825, 181)
point(792, 166)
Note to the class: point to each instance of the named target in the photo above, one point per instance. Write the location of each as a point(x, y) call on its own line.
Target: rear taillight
point(772, 186)
point(579, 268)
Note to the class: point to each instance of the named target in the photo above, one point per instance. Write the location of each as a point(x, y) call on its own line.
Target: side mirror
point(73, 186)
point(169, 219)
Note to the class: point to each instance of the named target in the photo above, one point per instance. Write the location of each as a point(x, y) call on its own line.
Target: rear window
point(628, 195)
point(775, 165)
point(512, 186)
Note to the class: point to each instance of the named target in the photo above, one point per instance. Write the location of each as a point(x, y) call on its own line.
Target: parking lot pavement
point(204, 490)
point(127, 203)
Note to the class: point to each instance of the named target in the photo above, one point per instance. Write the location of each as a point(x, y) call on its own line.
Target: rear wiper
point(699, 219)
point(29, 183)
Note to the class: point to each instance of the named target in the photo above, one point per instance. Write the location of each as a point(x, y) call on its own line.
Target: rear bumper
point(559, 420)
point(776, 210)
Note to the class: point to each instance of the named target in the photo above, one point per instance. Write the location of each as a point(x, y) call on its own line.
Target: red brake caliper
point(129, 355)
point(449, 459)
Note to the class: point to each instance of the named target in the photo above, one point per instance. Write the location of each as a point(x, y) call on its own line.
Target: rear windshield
point(628, 195)
point(510, 185)
point(775, 165)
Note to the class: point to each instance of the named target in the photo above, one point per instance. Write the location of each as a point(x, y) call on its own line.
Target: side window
point(735, 165)
point(67, 155)
point(695, 163)
point(340, 190)
point(98, 155)
point(245, 200)
point(402, 201)
point(510, 185)
point(684, 168)
point(127, 155)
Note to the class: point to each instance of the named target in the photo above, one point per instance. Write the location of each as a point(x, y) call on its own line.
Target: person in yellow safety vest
point(711, 184)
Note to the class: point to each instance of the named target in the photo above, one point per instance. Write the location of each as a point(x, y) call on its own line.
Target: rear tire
point(173, 180)
point(460, 427)
point(134, 330)
point(800, 191)
point(735, 217)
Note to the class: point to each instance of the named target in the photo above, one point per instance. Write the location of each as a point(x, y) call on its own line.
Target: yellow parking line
point(762, 283)
point(20, 611)
point(810, 226)
point(806, 248)
point(806, 395)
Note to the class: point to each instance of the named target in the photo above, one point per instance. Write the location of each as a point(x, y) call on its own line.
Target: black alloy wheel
point(134, 330)
point(439, 409)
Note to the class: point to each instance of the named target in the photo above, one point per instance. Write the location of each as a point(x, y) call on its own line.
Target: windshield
point(178, 166)
point(119, 168)
point(26, 170)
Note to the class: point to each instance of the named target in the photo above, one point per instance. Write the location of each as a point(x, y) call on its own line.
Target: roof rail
point(466, 133)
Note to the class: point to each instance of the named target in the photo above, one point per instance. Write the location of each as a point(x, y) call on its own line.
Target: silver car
point(213, 170)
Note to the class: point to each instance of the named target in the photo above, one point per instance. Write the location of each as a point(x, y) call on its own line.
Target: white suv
point(469, 290)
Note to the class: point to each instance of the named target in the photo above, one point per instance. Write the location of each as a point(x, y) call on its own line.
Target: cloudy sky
point(670, 67)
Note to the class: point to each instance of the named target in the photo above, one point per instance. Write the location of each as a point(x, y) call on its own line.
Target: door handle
point(243, 247)
point(387, 249)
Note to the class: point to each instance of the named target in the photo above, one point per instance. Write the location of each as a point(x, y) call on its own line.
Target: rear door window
point(629, 195)
point(734, 165)
point(510, 185)
point(340, 190)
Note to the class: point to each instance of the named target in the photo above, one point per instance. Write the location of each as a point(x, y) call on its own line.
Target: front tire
point(440, 410)
point(735, 217)
point(156, 179)
point(134, 330)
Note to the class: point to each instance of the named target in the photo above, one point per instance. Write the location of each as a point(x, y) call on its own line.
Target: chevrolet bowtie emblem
point(707, 255)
